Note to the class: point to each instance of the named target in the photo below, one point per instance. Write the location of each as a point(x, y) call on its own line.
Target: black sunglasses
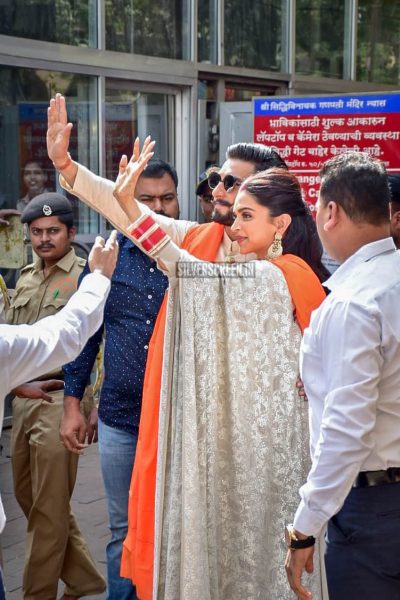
point(229, 182)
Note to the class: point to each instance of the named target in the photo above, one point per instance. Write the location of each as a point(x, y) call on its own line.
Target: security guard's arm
point(38, 390)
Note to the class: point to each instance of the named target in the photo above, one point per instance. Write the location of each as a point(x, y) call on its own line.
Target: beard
point(226, 219)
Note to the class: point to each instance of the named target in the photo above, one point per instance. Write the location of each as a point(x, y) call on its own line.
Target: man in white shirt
point(29, 351)
point(350, 367)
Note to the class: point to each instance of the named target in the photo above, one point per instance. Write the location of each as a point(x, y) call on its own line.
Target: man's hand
point(129, 173)
point(37, 390)
point(73, 426)
point(5, 213)
point(296, 562)
point(58, 136)
point(103, 255)
point(92, 426)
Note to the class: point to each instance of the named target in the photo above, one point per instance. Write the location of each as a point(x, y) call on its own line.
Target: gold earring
point(275, 250)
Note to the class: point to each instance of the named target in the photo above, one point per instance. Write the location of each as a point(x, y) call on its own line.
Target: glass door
point(130, 111)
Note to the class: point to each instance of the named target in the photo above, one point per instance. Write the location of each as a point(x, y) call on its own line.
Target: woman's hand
point(128, 175)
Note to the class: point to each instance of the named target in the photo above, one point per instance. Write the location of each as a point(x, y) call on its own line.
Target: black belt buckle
point(374, 478)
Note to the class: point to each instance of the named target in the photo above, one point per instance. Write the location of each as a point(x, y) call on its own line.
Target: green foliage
point(143, 27)
point(320, 37)
point(61, 21)
point(378, 52)
point(253, 33)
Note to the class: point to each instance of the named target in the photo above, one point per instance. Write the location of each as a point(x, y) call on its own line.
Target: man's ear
point(334, 215)
point(72, 233)
point(396, 218)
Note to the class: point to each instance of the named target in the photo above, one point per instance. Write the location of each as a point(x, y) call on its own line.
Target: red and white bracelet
point(148, 234)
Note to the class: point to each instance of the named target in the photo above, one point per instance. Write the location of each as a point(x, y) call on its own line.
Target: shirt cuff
point(309, 522)
point(73, 388)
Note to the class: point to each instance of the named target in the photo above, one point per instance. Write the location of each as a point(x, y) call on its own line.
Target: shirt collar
point(65, 263)
point(363, 254)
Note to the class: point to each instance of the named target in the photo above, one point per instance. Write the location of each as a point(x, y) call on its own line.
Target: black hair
point(157, 168)
point(394, 187)
point(262, 157)
point(359, 184)
point(280, 192)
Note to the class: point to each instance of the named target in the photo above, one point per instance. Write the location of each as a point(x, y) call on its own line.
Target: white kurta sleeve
point(97, 193)
point(29, 351)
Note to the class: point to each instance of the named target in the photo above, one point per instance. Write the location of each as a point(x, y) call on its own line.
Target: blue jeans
point(363, 545)
point(117, 453)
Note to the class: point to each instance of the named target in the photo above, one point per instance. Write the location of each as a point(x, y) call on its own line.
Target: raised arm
point(95, 191)
point(57, 138)
point(143, 230)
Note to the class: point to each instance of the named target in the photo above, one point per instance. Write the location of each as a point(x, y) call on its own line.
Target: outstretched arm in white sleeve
point(29, 351)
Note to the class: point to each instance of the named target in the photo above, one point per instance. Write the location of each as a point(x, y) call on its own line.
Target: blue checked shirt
point(137, 290)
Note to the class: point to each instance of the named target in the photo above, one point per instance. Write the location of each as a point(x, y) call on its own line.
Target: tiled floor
point(88, 504)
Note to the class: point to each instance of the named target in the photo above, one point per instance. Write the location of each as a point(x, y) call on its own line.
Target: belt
point(372, 478)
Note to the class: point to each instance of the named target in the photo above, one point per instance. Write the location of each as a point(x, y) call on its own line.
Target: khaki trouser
point(44, 478)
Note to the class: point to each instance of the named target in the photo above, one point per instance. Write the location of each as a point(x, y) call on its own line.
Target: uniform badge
point(47, 210)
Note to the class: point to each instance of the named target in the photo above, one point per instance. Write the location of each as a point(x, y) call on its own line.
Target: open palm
point(130, 171)
point(58, 129)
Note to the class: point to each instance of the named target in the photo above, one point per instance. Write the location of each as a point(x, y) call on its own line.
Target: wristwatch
point(293, 542)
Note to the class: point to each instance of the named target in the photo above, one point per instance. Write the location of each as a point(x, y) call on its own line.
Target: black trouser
point(363, 546)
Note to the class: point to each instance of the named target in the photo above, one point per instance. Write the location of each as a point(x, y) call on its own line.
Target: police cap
point(49, 204)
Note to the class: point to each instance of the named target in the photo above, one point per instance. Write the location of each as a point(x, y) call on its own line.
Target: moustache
point(45, 247)
point(222, 203)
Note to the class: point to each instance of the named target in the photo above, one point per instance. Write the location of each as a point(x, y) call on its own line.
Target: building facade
point(174, 69)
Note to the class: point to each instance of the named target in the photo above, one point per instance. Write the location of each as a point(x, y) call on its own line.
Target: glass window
point(378, 41)
point(129, 113)
point(158, 28)
point(25, 169)
point(320, 27)
point(71, 22)
point(207, 19)
point(255, 34)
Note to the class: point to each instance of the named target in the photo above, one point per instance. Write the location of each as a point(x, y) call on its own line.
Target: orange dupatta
point(203, 242)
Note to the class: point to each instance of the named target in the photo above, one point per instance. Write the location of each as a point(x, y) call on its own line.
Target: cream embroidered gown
point(233, 441)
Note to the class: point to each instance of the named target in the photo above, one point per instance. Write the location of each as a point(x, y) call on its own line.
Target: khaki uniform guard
point(44, 471)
